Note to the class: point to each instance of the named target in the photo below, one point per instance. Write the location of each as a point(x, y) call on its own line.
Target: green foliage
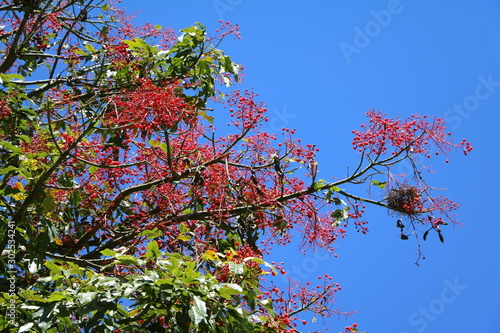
point(75, 297)
point(379, 183)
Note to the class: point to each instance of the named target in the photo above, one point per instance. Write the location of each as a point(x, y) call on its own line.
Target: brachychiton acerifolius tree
point(123, 208)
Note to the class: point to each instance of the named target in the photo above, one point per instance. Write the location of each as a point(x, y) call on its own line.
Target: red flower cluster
point(318, 299)
point(415, 135)
point(150, 107)
point(227, 28)
point(5, 110)
point(243, 107)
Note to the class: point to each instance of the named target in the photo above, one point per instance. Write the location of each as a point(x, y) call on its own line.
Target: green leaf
point(208, 118)
point(187, 211)
point(226, 81)
point(89, 47)
point(319, 184)
point(260, 261)
point(53, 267)
point(7, 169)
point(57, 296)
point(203, 67)
point(379, 184)
point(108, 253)
point(80, 52)
point(93, 169)
point(151, 233)
point(26, 327)
point(48, 204)
point(335, 189)
point(86, 297)
point(153, 251)
point(329, 196)
point(25, 138)
point(183, 228)
point(104, 31)
point(184, 237)
point(198, 311)
point(338, 201)
point(164, 281)
point(127, 259)
point(230, 289)
point(34, 266)
point(340, 215)
point(8, 77)
point(10, 146)
point(158, 144)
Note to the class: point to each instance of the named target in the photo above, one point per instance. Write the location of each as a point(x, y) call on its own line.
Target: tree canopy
point(122, 206)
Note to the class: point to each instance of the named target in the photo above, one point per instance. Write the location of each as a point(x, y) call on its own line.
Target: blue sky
point(319, 65)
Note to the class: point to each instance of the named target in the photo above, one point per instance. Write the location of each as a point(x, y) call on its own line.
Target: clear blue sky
point(319, 65)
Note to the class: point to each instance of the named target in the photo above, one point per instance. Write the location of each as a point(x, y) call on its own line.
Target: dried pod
point(441, 238)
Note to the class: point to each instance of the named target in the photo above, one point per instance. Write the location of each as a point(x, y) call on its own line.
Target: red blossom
point(416, 135)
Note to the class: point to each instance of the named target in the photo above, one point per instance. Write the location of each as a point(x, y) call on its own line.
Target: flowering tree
point(122, 208)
